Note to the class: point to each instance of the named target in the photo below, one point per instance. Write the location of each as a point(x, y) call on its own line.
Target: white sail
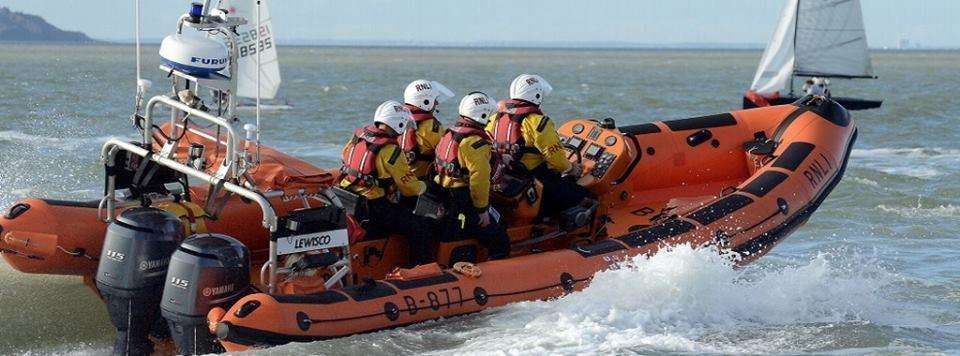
point(776, 66)
point(814, 38)
point(831, 41)
point(251, 40)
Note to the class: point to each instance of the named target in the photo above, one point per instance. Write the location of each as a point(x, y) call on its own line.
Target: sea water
point(876, 270)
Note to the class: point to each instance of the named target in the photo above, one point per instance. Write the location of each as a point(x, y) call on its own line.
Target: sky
point(930, 23)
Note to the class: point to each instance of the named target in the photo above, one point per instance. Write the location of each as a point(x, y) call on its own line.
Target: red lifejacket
point(360, 160)
point(409, 145)
point(760, 100)
point(507, 136)
point(419, 115)
point(447, 161)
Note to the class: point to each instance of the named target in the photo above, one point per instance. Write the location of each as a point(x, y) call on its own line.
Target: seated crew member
point(463, 169)
point(523, 134)
point(806, 86)
point(818, 86)
point(374, 168)
point(423, 97)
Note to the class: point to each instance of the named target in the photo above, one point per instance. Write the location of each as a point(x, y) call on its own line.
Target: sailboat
point(251, 40)
point(815, 38)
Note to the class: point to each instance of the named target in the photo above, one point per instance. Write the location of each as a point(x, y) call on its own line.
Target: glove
point(576, 170)
point(485, 218)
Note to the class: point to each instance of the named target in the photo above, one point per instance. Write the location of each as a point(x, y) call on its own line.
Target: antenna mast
point(258, 80)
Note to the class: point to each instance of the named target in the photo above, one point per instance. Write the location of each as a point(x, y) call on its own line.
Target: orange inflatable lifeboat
point(238, 246)
point(740, 181)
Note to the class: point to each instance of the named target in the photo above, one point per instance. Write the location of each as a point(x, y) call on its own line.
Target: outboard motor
point(132, 269)
point(207, 271)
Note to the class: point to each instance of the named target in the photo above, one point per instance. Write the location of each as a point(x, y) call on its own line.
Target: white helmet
point(530, 87)
point(478, 107)
point(426, 94)
point(394, 115)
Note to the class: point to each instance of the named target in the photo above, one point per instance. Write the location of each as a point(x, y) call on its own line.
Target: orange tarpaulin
point(277, 171)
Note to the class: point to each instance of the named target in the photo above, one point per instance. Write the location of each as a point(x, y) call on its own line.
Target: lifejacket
point(760, 100)
point(419, 115)
point(447, 161)
point(507, 136)
point(360, 161)
point(409, 145)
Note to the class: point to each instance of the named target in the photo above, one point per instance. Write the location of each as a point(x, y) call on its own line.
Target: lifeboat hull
point(772, 194)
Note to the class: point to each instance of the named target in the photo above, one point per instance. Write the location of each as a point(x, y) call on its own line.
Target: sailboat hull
point(847, 103)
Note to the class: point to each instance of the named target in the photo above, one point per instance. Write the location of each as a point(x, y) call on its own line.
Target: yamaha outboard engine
point(133, 264)
point(207, 271)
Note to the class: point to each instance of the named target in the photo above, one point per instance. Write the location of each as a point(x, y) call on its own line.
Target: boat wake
point(68, 143)
point(924, 163)
point(681, 300)
point(266, 107)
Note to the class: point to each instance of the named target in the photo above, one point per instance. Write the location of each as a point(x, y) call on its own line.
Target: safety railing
point(232, 135)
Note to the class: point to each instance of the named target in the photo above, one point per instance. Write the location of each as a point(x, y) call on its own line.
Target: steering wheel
point(574, 152)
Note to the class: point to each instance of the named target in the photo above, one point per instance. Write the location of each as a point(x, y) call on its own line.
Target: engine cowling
point(132, 269)
point(206, 271)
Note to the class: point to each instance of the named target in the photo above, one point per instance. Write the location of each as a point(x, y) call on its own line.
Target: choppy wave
point(919, 211)
point(865, 181)
point(312, 150)
point(66, 143)
point(918, 162)
point(680, 300)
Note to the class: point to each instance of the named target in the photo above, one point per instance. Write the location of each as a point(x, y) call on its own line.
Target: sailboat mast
point(796, 24)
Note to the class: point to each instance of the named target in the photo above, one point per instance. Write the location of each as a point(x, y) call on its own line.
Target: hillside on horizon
point(21, 27)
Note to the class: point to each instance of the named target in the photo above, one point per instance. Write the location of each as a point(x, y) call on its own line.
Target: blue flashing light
point(196, 10)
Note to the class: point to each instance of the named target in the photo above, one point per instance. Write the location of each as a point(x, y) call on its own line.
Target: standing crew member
point(423, 97)
point(523, 134)
point(463, 168)
point(373, 167)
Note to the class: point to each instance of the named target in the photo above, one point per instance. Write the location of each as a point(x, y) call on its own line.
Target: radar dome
point(198, 56)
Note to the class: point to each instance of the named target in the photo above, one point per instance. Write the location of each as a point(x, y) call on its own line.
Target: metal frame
point(236, 160)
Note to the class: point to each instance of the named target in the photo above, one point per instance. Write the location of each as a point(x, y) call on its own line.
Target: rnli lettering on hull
point(310, 242)
point(818, 171)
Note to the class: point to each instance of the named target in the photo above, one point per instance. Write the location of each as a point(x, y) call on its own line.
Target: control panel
point(605, 153)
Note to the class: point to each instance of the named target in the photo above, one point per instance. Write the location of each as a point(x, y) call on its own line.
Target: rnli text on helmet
point(423, 86)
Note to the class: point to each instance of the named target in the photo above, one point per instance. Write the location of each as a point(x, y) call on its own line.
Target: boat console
point(608, 156)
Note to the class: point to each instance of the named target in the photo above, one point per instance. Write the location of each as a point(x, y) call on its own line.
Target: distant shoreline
point(477, 47)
